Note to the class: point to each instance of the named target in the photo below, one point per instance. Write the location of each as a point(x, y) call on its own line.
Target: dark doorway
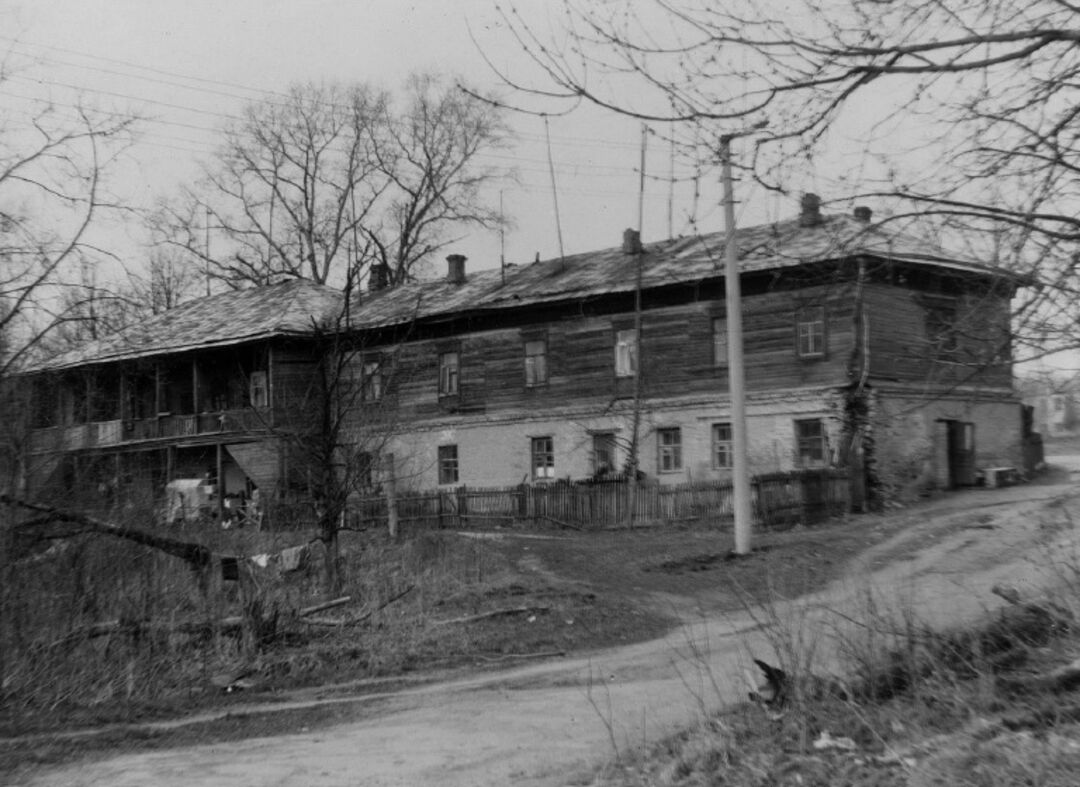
point(961, 448)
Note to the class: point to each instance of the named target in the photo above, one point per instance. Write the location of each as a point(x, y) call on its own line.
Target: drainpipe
point(861, 326)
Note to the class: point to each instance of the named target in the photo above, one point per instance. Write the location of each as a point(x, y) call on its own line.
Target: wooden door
point(961, 448)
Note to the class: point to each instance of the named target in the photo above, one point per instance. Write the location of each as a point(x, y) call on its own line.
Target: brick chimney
point(863, 213)
point(631, 242)
point(810, 216)
point(455, 268)
point(378, 278)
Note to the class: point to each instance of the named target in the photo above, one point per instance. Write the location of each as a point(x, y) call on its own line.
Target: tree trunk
point(391, 497)
point(331, 540)
point(196, 555)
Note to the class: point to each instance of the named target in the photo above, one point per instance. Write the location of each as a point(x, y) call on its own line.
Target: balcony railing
point(103, 434)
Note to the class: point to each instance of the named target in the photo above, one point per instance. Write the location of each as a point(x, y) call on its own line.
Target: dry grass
point(58, 672)
point(952, 721)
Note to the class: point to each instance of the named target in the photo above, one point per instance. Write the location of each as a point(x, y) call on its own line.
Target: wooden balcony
point(165, 428)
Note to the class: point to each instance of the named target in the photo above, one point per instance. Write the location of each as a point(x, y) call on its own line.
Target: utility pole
point(736, 373)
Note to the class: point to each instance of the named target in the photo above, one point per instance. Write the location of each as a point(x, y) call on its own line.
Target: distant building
point(1055, 406)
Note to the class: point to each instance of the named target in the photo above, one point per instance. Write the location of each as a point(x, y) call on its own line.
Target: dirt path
point(550, 724)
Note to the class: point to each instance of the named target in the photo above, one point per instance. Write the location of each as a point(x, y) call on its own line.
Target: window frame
point(542, 448)
point(449, 374)
point(719, 330)
point(669, 455)
point(259, 382)
point(627, 352)
point(603, 442)
point(536, 373)
point(449, 463)
point(942, 320)
point(804, 441)
point(726, 443)
point(371, 380)
point(808, 317)
point(365, 464)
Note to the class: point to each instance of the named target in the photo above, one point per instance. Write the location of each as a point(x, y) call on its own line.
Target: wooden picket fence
point(779, 499)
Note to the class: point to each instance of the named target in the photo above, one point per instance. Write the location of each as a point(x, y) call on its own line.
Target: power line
point(125, 96)
point(149, 69)
point(210, 130)
point(555, 138)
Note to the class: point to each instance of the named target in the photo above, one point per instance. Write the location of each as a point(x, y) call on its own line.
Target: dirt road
point(550, 724)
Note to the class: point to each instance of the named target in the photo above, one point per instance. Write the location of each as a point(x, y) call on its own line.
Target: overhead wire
point(165, 141)
point(555, 138)
point(209, 147)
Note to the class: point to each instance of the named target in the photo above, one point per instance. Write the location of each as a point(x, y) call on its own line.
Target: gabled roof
point(294, 308)
point(681, 260)
point(291, 308)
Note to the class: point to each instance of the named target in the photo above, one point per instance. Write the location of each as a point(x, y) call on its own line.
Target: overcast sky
point(189, 66)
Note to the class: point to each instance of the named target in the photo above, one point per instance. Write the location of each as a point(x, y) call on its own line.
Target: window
point(448, 464)
point(372, 385)
point(259, 390)
point(811, 439)
point(603, 454)
point(626, 353)
point(543, 458)
point(719, 341)
point(669, 442)
point(365, 469)
point(448, 374)
point(810, 332)
point(722, 452)
point(941, 322)
point(536, 371)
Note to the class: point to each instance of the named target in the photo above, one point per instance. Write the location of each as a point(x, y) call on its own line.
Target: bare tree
point(168, 280)
point(332, 178)
point(52, 190)
point(336, 428)
point(429, 154)
point(53, 165)
point(94, 306)
point(966, 112)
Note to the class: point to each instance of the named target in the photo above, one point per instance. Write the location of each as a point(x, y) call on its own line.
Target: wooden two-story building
point(865, 345)
point(197, 392)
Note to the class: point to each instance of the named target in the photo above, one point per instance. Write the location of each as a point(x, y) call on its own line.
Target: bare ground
point(551, 722)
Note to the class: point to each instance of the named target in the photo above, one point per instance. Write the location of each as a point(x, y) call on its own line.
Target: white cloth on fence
point(185, 498)
point(293, 558)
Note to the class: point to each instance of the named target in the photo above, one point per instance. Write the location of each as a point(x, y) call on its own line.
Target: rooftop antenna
point(554, 188)
point(502, 239)
point(671, 188)
point(641, 180)
point(206, 249)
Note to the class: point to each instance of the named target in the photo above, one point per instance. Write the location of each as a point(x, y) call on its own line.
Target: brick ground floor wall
point(911, 435)
point(499, 452)
point(909, 438)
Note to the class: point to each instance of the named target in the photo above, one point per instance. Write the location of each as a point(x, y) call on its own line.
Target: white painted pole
point(736, 374)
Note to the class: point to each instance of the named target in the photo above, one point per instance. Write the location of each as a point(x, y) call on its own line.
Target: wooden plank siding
point(903, 349)
point(293, 385)
point(676, 356)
